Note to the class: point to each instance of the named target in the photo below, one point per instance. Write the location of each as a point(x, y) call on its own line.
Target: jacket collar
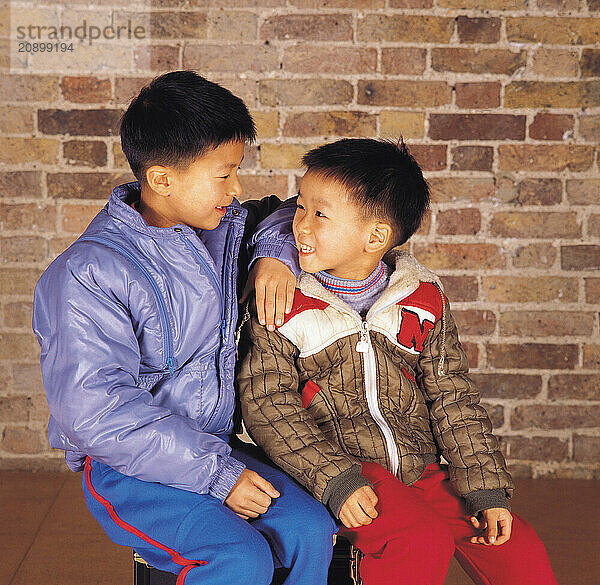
point(405, 279)
point(120, 207)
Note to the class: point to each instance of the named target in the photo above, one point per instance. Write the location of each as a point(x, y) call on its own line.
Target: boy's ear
point(380, 237)
point(159, 179)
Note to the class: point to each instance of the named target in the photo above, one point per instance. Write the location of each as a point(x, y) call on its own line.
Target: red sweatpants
point(421, 526)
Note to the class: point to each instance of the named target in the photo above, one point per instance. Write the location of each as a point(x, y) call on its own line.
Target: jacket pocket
point(309, 391)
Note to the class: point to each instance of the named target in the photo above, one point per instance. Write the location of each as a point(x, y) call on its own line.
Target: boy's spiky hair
point(381, 177)
point(177, 118)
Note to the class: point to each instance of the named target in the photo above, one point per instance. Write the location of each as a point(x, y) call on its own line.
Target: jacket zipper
point(162, 309)
point(365, 347)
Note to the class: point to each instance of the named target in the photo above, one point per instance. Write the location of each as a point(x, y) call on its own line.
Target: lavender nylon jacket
point(136, 325)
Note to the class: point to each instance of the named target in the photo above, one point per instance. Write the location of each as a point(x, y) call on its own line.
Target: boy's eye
point(225, 177)
point(319, 214)
point(298, 206)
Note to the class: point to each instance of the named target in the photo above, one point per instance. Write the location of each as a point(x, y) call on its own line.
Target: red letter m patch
point(412, 333)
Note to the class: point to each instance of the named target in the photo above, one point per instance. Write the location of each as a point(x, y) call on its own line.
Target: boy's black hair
point(381, 177)
point(177, 118)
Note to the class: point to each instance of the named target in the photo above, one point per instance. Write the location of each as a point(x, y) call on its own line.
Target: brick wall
point(499, 101)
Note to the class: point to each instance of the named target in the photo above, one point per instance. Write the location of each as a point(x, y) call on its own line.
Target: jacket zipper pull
point(171, 366)
point(363, 345)
point(223, 326)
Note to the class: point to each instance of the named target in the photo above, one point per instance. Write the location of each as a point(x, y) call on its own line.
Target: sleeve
point(268, 384)
point(460, 424)
point(90, 362)
point(273, 237)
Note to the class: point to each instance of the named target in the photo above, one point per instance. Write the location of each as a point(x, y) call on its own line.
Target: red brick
point(359, 4)
point(478, 30)
point(538, 448)
point(178, 25)
point(583, 191)
point(553, 31)
point(477, 95)
point(405, 28)
point(472, 353)
point(457, 256)
point(304, 92)
point(24, 249)
point(529, 157)
point(313, 27)
point(19, 184)
point(19, 346)
point(233, 26)
point(404, 93)
point(544, 356)
point(16, 120)
point(590, 63)
point(524, 289)
point(27, 378)
point(551, 127)
point(157, 57)
point(18, 314)
point(583, 257)
point(459, 221)
point(230, 58)
point(403, 60)
point(484, 4)
point(430, 157)
point(85, 89)
point(14, 408)
point(18, 281)
point(476, 127)
point(535, 256)
point(338, 60)
point(547, 417)
point(22, 440)
point(592, 290)
point(507, 385)
point(586, 449)
point(532, 224)
point(475, 189)
point(85, 153)
point(80, 122)
point(556, 62)
point(411, 3)
point(257, 186)
point(39, 88)
point(76, 217)
point(540, 192)
point(589, 127)
point(425, 227)
point(473, 322)
point(593, 5)
point(594, 225)
point(460, 60)
point(472, 158)
point(546, 323)
point(552, 94)
point(460, 288)
point(28, 217)
point(495, 413)
point(126, 88)
point(559, 5)
point(28, 150)
point(84, 185)
point(330, 124)
point(574, 386)
point(591, 356)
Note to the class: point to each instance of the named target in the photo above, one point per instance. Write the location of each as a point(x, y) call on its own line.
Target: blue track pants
point(203, 541)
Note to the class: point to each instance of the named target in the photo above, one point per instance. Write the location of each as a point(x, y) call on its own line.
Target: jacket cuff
point(484, 499)
point(341, 487)
point(225, 478)
point(284, 250)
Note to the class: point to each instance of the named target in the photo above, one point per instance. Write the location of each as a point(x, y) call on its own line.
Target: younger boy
point(364, 387)
point(136, 321)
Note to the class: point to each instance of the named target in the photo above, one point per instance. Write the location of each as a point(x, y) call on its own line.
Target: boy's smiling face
point(197, 195)
point(331, 231)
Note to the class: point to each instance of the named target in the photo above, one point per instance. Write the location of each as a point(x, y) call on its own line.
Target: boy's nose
point(236, 188)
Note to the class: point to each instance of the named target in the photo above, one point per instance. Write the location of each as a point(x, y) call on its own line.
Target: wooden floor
point(47, 537)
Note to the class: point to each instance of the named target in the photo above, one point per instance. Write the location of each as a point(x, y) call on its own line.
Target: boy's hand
point(359, 508)
point(496, 527)
point(251, 495)
point(274, 283)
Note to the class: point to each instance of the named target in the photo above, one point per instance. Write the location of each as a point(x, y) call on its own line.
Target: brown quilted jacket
point(328, 390)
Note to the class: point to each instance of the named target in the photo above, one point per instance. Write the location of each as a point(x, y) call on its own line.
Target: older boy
point(136, 321)
point(364, 387)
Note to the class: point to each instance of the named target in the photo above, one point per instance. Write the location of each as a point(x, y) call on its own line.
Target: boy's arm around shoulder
point(268, 383)
point(90, 361)
point(460, 424)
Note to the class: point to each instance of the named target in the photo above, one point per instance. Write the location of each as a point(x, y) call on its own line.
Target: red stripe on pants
point(420, 527)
